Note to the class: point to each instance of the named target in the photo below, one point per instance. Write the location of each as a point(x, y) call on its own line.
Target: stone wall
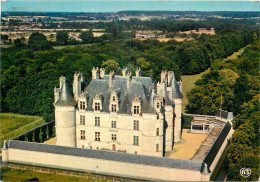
point(103, 162)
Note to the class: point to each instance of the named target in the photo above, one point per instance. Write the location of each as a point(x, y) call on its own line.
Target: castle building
point(123, 113)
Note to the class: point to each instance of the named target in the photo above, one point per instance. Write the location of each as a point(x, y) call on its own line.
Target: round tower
point(65, 117)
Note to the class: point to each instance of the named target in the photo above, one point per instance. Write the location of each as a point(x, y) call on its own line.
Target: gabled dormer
point(114, 102)
point(97, 103)
point(82, 102)
point(136, 106)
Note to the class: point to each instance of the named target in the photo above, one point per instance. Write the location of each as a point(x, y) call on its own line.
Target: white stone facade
point(121, 113)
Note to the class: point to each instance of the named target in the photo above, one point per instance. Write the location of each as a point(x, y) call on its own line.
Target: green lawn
point(10, 174)
point(13, 125)
point(235, 54)
point(187, 84)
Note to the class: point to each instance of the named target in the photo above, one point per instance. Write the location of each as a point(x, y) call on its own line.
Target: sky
point(120, 5)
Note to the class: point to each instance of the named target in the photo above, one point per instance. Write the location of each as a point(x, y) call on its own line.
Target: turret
point(65, 116)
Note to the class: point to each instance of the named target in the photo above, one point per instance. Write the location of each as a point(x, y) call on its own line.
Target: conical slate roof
point(65, 98)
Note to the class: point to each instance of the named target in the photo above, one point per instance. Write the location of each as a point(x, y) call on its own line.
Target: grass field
point(10, 174)
point(13, 125)
point(235, 54)
point(187, 84)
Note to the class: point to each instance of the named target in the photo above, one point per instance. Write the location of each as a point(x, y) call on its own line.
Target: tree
point(47, 132)
point(33, 136)
point(4, 37)
point(18, 42)
point(87, 37)
point(38, 41)
point(110, 65)
point(40, 136)
point(62, 37)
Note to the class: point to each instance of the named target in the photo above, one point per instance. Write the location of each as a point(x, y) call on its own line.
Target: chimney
point(111, 74)
point(128, 77)
point(62, 80)
point(124, 71)
point(137, 72)
point(170, 76)
point(164, 76)
point(102, 72)
point(95, 74)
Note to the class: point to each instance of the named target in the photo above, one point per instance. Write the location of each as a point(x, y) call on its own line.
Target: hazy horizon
point(115, 6)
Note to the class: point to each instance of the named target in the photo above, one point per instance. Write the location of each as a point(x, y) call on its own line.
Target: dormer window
point(97, 106)
point(97, 103)
point(82, 105)
point(136, 109)
point(114, 102)
point(136, 106)
point(113, 107)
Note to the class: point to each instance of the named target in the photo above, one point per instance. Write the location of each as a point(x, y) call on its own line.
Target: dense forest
point(237, 80)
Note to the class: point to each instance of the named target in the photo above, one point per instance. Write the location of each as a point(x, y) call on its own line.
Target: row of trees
point(237, 81)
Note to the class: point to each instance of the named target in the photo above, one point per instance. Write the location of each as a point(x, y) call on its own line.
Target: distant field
point(13, 125)
point(187, 84)
point(10, 174)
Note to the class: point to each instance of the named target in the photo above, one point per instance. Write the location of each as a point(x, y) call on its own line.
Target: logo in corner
point(245, 172)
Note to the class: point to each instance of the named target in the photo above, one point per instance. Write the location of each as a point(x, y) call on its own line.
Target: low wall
point(217, 149)
point(103, 162)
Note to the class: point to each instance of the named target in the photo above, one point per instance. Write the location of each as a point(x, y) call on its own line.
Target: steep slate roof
point(140, 87)
point(225, 114)
point(65, 98)
point(176, 90)
point(106, 155)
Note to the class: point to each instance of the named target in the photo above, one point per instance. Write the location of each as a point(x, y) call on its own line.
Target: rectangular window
point(82, 105)
point(82, 120)
point(97, 136)
point(113, 137)
point(97, 106)
point(114, 98)
point(136, 109)
point(157, 132)
point(82, 135)
point(97, 121)
point(158, 116)
point(113, 124)
point(136, 125)
point(136, 140)
point(157, 147)
point(113, 108)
